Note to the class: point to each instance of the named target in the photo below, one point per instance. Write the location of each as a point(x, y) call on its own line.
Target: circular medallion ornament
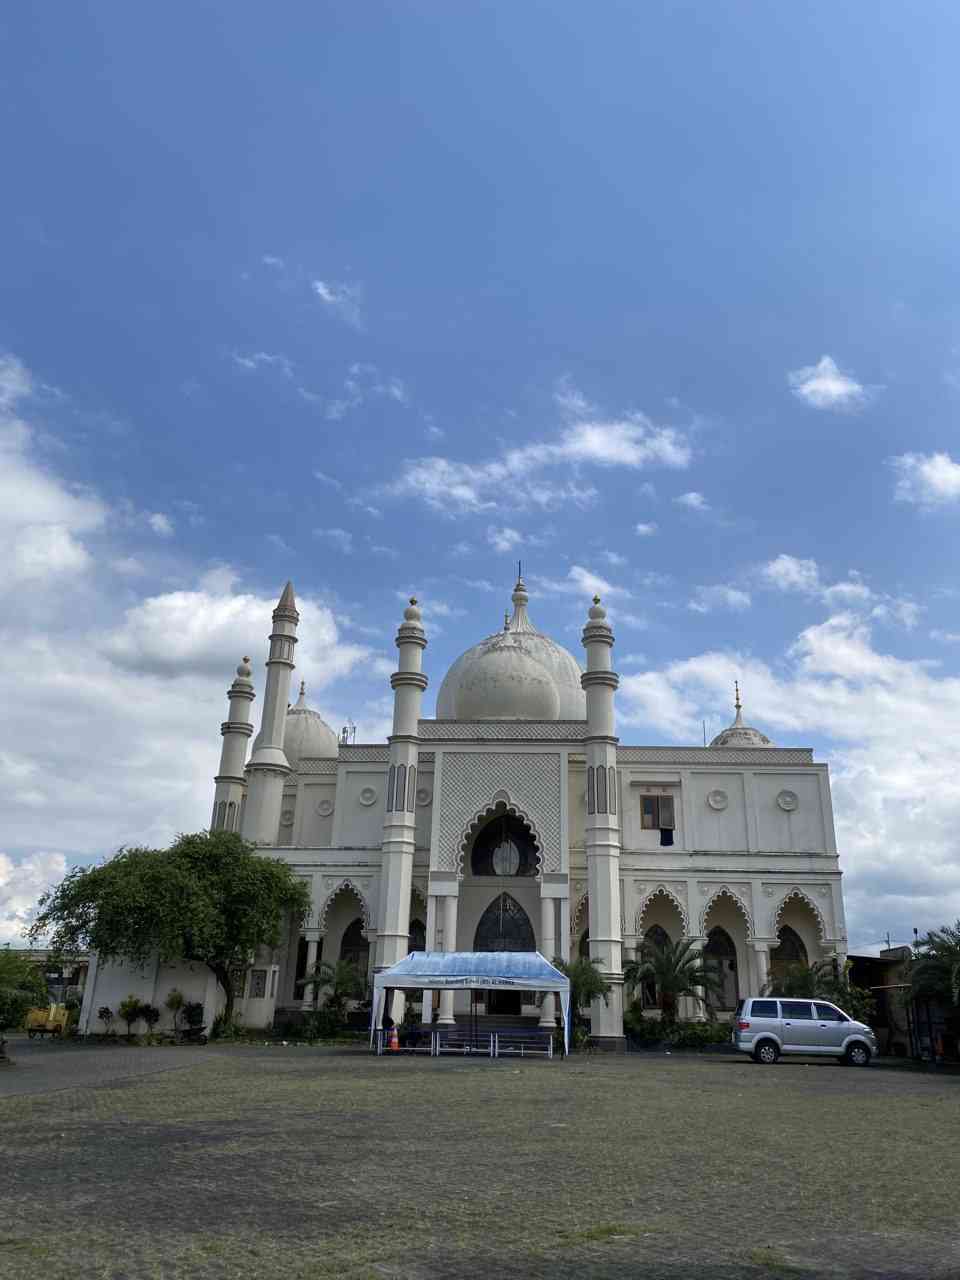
point(368, 795)
point(325, 808)
point(424, 796)
point(717, 799)
point(788, 801)
point(286, 818)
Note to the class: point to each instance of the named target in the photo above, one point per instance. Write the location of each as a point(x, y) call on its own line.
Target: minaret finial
point(736, 691)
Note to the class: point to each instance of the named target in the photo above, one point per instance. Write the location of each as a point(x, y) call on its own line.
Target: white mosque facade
point(514, 820)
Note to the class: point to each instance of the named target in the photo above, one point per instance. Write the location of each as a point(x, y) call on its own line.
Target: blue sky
point(661, 298)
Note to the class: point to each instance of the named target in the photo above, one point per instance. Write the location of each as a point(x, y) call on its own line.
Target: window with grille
point(258, 984)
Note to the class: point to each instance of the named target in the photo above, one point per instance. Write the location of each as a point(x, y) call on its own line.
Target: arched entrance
point(720, 955)
point(504, 926)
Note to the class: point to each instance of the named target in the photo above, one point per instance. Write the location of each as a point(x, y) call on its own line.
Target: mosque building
point(515, 820)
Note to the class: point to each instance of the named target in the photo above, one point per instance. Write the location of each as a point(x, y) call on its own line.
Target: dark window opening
point(504, 926)
point(504, 847)
point(354, 947)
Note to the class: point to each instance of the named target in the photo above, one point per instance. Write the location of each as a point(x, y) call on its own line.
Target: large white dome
point(515, 674)
point(306, 735)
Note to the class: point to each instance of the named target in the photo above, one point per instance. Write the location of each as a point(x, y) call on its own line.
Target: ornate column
point(306, 1002)
point(602, 827)
point(399, 821)
point(548, 948)
point(761, 953)
point(450, 902)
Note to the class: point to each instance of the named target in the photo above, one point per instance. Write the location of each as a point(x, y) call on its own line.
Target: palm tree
point(587, 984)
point(676, 969)
point(343, 980)
point(936, 972)
point(802, 981)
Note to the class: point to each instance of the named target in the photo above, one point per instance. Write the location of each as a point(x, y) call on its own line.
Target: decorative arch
point(668, 893)
point(349, 885)
point(500, 804)
point(720, 891)
point(578, 910)
point(804, 897)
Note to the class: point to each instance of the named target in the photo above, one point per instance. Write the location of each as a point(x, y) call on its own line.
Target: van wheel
point(858, 1055)
point(767, 1053)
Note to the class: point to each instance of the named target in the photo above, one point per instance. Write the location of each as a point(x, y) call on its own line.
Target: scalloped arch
point(721, 891)
point(803, 896)
point(577, 916)
point(661, 891)
point(351, 887)
point(500, 803)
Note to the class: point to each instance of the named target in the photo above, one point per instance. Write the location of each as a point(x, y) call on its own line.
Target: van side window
point(796, 1009)
point(763, 1009)
point(826, 1013)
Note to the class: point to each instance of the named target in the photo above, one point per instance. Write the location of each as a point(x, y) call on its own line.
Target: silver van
point(766, 1026)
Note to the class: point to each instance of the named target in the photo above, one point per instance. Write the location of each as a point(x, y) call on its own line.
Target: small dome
point(306, 735)
point(740, 734)
point(514, 674)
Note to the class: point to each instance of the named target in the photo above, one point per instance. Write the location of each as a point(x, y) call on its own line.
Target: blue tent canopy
point(473, 971)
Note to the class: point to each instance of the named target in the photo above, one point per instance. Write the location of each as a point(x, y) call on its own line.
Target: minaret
point(268, 765)
point(229, 782)
point(408, 684)
point(602, 828)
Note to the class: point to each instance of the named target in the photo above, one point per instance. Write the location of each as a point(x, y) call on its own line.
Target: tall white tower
point(268, 765)
point(602, 830)
point(399, 838)
point(236, 729)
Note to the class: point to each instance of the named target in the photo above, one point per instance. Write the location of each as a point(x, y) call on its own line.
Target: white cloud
point(927, 480)
point(631, 660)
point(788, 573)
point(325, 479)
point(504, 538)
point(457, 488)
point(22, 881)
point(15, 381)
point(945, 637)
point(692, 501)
point(582, 582)
point(894, 730)
point(363, 382)
point(343, 299)
point(825, 386)
point(271, 260)
point(615, 558)
point(161, 524)
point(706, 599)
point(645, 530)
point(259, 359)
point(341, 538)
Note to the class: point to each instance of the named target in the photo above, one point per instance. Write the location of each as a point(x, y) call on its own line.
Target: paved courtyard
point(130, 1164)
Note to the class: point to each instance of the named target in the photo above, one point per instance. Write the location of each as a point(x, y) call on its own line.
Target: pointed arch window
point(601, 789)
point(412, 788)
point(391, 781)
point(504, 847)
point(504, 926)
point(400, 801)
point(720, 955)
point(790, 952)
point(591, 791)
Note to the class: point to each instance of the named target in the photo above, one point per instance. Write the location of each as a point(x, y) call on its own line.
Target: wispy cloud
point(263, 359)
point(343, 299)
point(325, 479)
point(721, 596)
point(926, 479)
point(643, 530)
point(456, 488)
point(615, 558)
point(692, 501)
point(363, 382)
point(802, 577)
point(825, 386)
point(161, 524)
point(503, 538)
point(582, 582)
point(342, 539)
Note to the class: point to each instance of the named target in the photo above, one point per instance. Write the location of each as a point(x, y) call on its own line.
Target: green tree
point(22, 987)
point(129, 1010)
point(676, 969)
point(935, 973)
point(823, 979)
point(210, 898)
point(342, 981)
point(587, 984)
point(175, 1002)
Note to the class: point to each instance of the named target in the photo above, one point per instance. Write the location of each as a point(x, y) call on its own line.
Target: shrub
point(192, 1013)
point(106, 1015)
point(699, 1035)
point(175, 1003)
point(129, 1010)
point(150, 1015)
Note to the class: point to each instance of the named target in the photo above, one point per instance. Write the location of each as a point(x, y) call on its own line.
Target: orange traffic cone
point(394, 1041)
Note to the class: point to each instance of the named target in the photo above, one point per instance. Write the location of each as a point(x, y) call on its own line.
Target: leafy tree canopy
point(824, 980)
point(935, 974)
point(676, 969)
point(210, 898)
point(587, 984)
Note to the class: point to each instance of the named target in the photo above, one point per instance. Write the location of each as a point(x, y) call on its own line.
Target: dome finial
point(520, 598)
point(738, 705)
point(302, 700)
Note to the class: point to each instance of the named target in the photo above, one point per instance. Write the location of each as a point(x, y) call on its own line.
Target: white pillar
point(426, 1007)
point(229, 783)
point(307, 1000)
point(602, 827)
point(446, 1017)
point(268, 767)
point(762, 959)
point(548, 948)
